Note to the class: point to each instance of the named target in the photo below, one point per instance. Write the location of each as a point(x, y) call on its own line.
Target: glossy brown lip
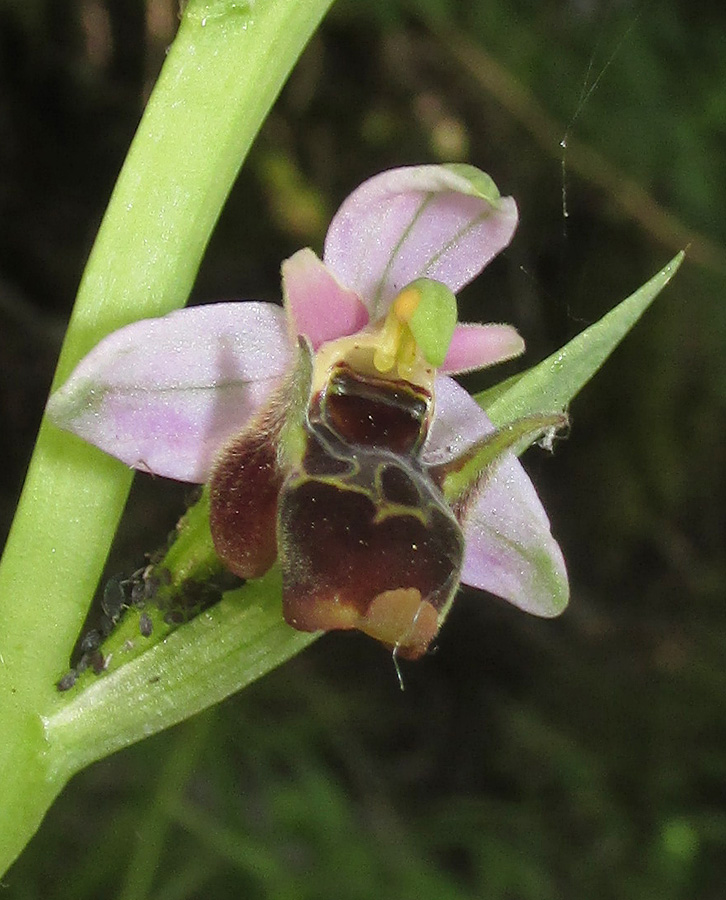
point(374, 411)
point(366, 541)
point(365, 538)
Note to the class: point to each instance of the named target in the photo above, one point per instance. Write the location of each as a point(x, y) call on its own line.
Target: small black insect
point(67, 681)
point(146, 626)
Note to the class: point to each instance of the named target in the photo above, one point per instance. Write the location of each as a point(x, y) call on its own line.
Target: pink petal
point(510, 551)
point(163, 395)
point(440, 222)
point(317, 305)
point(476, 346)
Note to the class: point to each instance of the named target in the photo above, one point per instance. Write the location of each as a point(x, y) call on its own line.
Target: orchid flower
point(346, 389)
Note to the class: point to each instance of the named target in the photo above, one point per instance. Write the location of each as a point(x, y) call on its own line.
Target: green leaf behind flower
point(552, 384)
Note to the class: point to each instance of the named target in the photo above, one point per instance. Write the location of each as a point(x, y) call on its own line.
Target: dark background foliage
point(526, 760)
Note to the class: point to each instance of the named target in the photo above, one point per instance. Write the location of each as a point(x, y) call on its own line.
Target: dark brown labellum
point(374, 412)
point(365, 537)
point(375, 548)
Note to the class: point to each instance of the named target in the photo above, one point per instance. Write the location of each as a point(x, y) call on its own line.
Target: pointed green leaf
point(150, 683)
point(551, 385)
point(457, 476)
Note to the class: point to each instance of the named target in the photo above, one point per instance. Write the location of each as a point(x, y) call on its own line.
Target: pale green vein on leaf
point(219, 652)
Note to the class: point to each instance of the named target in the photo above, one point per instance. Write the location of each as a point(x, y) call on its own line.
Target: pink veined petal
point(317, 305)
point(509, 551)
point(441, 222)
point(476, 346)
point(163, 395)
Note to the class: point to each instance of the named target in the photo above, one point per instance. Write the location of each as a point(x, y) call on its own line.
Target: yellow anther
point(388, 343)
point(407, 353)
point(396, 345)
point(404, 306)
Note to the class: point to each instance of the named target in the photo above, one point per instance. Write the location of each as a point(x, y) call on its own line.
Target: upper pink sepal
point(477, 346)
point(318, 306)
point(163, 395)
point(440, 222)
point(510, 551)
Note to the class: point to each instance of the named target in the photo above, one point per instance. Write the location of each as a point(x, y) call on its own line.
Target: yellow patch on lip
point(403, 620)
point(398, 618)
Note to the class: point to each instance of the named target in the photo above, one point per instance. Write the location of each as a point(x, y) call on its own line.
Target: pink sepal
point(510, 551)
point(438, 222)
point(163, 395)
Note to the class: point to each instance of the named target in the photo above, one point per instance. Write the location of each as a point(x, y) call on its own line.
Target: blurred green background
point(526, 760)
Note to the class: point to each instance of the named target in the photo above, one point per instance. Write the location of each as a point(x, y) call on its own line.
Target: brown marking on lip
point(350, 559)
point(375, 412)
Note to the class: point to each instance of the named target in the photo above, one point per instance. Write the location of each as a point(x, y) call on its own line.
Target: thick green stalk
point(223, 72)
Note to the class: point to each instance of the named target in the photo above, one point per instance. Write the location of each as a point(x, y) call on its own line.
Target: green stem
point(223, 72)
